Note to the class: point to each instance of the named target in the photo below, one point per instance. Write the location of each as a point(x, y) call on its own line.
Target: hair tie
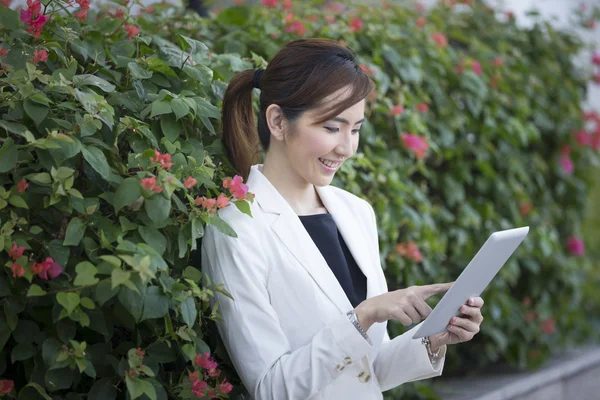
point(257, 76)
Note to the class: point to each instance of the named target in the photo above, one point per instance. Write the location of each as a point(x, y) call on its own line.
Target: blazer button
point(347, 360)
point(340, 367)
point(364, 377)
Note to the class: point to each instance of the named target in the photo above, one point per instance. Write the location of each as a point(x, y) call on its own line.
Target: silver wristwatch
point(432, 356)
point(354, 319)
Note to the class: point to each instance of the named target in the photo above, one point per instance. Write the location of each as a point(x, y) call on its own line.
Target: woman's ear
point(276, 122)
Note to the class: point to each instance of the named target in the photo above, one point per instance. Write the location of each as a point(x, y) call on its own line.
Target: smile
point(329, 164)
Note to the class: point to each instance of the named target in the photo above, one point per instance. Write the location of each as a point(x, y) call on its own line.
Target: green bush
point(465, 136)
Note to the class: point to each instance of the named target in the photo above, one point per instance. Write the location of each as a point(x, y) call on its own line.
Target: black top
point(329, 240)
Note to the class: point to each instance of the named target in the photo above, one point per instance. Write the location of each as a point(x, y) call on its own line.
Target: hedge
point(111, 165)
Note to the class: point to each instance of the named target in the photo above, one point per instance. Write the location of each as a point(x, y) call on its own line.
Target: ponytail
point(240, 136)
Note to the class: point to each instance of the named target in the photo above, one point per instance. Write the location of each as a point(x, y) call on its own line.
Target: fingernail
point(453, 320)
point(463, 309)
point(471, 301)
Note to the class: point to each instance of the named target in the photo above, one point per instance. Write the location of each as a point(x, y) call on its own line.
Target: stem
point(76, 289)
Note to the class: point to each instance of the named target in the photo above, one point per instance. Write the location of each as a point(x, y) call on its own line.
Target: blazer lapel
point(290, 230)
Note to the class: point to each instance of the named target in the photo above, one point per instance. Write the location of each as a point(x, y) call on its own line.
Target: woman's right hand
point(405, 305)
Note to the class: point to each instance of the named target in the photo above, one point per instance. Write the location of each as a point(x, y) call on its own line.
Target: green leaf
point(158, 65)
point(154, 238)
point(42, 177)
point(88, 303)
point(221, 225)
point(138, 387)
point(132, 301)
point(35, 290)
point(160, 107)
point(57, 379)
point(18, 201)
point(206, 109)
point(8, 155)
point(105, 292)
point(86, 274)
point(138, 72)
point(97, 160)
point(68, 300)
point(36, 111)
point(189, 312)
point(124, 48)
point(22, 352)
point(127, 193)
point(75, 232)
point(201, 73)
point(9, 19)
point(17, 129)
point(193, 274)
point(189, 350)
point(156, 303)
point(171, 128)
point(102, 389)
point(119, 277)
point(93, 80)
point(180, 108)
point(37, 387)
point(158, 208)
point(197, 228)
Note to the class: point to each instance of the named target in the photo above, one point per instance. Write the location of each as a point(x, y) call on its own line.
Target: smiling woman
point(307, 317)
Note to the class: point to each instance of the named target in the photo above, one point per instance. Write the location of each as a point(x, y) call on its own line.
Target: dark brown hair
point(300, 76)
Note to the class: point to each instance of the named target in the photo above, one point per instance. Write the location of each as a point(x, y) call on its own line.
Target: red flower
point(422, 107)
point(84, 8)
point(367, 69)
point(47, 269)
point(356, 24)
point(583, 138)
point(16, 251)
point(270, 3)
point(287, 4)
point(3, 52)
point(439, 39)
point(297, 27)
point(526, 209)
point(409, 250)
point(225, 387)
point(198, 388)
point(498, 61)
point(17, 270)
point(33, 17)
point(421, 21)
point(237, 188)
point(39, 56)
point(205, 361)
point(162, 159)
point(548, 326)
point(576, 246)
point(596, 58)
point(6, 3)
point(22, 185)
point(131, 30)
point(140, 353)
point(476, 67)
point(119, 14)
point(416, 143)
point(190, 182)
point(222, 201)
point(566, 164)
point(6, 386)
point(397, 110)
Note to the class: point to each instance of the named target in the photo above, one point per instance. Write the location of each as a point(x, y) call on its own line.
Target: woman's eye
point(356, 131)
point(332, 129)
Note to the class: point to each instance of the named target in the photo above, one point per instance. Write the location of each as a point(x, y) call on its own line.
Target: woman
point(310, 301)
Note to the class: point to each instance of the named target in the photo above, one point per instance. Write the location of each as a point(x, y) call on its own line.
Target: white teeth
point(330, 164)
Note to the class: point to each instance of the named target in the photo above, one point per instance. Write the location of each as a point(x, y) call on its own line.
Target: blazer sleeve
point(250, 329)
point(395, 354)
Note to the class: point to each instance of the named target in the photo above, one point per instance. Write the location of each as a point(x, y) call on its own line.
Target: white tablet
point(473, 280)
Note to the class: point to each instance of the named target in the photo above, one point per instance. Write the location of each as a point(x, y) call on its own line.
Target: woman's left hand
point(461, 329)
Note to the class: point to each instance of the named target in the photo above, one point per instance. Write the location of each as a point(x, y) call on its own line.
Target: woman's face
point(315, 151)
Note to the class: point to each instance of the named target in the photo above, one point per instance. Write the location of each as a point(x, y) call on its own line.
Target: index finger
point(427, 291)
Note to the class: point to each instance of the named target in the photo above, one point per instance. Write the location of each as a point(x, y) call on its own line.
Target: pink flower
point(222, 201)
point(422, 107)
point(22, 185)
point(198, 388)
point(498, 61)
point(6, 3)
point(33, 17)
point(397, 110)
point(16, 251)
point(596, 59)
point(416, 143)
point(421, 21)
point(84, 8)
point(576, 246)
point(163, 159)
point(205, 361)
point(17, 270)
point(6, 386)
point(190, 182)
point(439, 39)
point(567, 164)
point(270, 3)
point(226, 183)
point(237, 188)
point(356, 24)
point(119, 14)
point(3, 52)
point(287, 4)
point(39, 56)
point(214, 372)
point(548, 326)
point(297, 27)
point(476, 67)
point(47, 269)
point(583, 138)
point(212, 394)
point(149, 183)
point(367, 69)
point(131, 30)
point(225, 387)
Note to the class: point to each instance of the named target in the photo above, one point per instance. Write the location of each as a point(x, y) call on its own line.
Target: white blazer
point(287, 332)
